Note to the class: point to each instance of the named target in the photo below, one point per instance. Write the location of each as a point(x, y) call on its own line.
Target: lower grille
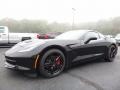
point(11, 61)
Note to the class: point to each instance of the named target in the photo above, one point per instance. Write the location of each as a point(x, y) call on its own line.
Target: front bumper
point(16, 67)
point(22, 64)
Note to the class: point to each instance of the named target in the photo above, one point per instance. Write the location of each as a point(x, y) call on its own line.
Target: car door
point(91, 49)
point(3, 35)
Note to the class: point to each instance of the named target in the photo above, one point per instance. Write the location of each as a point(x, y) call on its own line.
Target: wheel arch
point(108, 46)
point(53, 47)
point(49, 48)
point(112, 44)
point(107, 58)
point(115, 45)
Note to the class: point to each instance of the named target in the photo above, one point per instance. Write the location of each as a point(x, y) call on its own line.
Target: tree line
point(111, 26)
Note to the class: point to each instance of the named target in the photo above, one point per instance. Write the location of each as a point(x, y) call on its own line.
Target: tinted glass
point(1, 30)
point(101, 35)
point(71, 35)
point(90, 35)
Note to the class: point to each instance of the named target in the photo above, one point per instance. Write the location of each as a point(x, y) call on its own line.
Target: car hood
point(23, 45)
point(31, 42)
point(38, 42)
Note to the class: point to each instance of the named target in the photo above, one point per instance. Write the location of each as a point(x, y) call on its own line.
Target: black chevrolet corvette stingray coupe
point(51, 56)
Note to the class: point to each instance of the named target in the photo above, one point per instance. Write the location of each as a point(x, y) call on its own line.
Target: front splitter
point(16, 67)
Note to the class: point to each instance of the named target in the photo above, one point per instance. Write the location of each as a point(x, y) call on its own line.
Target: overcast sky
point(60, 10)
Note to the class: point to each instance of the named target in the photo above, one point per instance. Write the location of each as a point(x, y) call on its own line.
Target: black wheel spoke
point(59, 67)
point(53, 63)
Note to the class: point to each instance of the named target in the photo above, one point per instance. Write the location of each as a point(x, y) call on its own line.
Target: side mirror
point(93, 38)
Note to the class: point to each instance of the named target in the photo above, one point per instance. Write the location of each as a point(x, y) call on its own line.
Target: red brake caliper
point(58, 61)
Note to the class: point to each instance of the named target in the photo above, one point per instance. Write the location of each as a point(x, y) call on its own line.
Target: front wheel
point(111, 53)
point(52, 63)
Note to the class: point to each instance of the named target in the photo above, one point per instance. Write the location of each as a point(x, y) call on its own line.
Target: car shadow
point(22, 75)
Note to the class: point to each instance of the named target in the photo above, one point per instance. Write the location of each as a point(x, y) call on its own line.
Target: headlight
point(31, 47)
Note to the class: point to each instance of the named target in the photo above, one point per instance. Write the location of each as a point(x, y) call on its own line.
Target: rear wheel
point(111, 53)
point(52, 63)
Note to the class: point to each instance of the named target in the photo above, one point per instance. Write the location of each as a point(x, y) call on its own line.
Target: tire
point(112, 51)
point(52, 63)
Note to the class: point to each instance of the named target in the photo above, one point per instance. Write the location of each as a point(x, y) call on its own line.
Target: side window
point(90, 35)
point(1, 31)
point(101, 35)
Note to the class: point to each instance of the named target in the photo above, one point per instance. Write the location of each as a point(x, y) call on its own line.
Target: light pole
point(73, 12)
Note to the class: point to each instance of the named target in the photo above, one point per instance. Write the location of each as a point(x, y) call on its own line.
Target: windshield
point(71, 35)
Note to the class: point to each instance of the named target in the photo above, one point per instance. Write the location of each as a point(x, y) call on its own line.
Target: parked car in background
point(49, 35)
point(109, 36)
point(117, 38)
point(7, 37)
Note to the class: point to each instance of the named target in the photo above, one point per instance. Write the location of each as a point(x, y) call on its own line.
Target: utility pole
point(73, 17)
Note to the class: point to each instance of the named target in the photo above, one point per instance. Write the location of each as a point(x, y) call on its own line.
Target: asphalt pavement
point(95, 75)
